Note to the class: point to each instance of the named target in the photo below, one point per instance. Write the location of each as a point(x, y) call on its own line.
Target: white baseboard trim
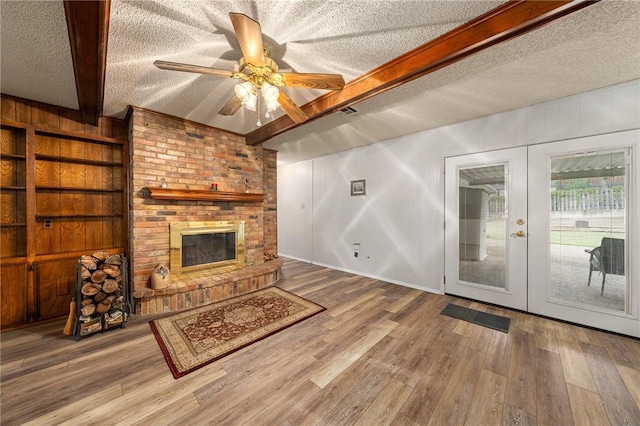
point(376, 277)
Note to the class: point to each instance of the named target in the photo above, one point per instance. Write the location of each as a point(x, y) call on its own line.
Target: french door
point(551, 229)
point(486, 227)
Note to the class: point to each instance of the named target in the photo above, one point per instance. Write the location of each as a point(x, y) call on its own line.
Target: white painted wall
point(399, 223)
point(295, 216)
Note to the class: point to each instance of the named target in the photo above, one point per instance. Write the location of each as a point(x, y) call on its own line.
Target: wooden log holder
point(102, 292)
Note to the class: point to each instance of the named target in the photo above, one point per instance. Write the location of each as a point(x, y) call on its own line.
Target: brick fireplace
point(183, 155)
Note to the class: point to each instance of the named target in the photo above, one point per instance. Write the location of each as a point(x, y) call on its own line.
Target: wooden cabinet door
point(13, 294)
point(55, 286)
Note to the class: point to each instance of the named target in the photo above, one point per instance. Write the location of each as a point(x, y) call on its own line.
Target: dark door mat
point(481, 318)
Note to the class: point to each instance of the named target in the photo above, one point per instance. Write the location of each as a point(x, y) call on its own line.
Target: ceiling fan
point(261, 75)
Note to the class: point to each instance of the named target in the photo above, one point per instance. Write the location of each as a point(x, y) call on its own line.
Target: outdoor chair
point(607, 258)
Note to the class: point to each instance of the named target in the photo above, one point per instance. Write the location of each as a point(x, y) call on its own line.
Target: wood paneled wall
point(63, 194)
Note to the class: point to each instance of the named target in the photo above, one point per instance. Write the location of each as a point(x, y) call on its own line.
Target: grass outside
point(567, 237)
point(582, 238)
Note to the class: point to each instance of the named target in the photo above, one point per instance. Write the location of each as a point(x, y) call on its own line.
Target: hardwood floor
point(380, 354)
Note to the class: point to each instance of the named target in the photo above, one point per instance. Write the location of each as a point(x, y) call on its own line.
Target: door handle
point(519, 234)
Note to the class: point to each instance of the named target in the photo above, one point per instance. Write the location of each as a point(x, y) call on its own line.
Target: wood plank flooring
point(380, 354)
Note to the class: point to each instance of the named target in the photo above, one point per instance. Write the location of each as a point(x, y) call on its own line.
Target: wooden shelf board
point(82, 189)
point(14, 259)
point(43, 257)
point(63, 216)
point(16, 225)
point(203, 195)
point(13, 156)
point(77, 160)
point(90, 138)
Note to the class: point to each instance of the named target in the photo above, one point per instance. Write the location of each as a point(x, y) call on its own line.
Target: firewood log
point(98, 276)
point(90, 289)
point(101, 255)
point(84, 272)
point(99, 297)
point(88, 309)
point(109, 286)
point(118, 303)
point(103, 306)
point(89, 262)
point(111, 270)
point(114, 259)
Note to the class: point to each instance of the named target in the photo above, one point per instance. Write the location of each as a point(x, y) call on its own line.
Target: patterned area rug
point(199, 336)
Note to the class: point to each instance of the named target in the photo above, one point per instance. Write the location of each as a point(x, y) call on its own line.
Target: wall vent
point(347, 111)
point(195, 135)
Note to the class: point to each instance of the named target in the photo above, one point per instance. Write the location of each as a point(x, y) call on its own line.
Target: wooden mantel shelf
point(203, 195)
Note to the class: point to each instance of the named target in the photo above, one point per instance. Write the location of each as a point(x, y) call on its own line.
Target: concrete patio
point(569, 276)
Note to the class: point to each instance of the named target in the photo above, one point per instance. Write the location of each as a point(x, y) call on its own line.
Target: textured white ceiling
point(35, 56)
point(592, 48)
point(596, 47)
point(346, 37)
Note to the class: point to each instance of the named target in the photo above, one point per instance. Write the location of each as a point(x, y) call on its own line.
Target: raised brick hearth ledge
point(197, 289)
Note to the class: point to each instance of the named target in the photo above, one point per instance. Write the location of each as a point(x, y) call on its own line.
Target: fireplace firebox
point(198, 246)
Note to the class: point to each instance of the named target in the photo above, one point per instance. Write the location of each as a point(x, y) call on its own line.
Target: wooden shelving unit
point(13, 226)
point(203, 195)
point(64, 193)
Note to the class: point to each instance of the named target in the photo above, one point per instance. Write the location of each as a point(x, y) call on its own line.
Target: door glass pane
point(482, 225)
point(588, 229)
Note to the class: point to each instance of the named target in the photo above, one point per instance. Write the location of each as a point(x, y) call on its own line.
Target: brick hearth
point(201, 288)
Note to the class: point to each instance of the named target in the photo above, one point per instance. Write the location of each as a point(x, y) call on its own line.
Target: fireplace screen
point(208, 248)
point(200, 246)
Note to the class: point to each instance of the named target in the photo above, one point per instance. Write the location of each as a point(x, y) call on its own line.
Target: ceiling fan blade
point(250, 38)
point(313, 81)
point(231, 107)
point(291, 109)
point(174, 66)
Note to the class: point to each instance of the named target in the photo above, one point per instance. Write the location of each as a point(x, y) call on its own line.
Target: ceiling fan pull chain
point(258, 103)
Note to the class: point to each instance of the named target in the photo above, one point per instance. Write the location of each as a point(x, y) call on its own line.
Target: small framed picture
point(358, 187)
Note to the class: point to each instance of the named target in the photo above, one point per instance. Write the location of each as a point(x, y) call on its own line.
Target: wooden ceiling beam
point(504, 23)
point(88, 27)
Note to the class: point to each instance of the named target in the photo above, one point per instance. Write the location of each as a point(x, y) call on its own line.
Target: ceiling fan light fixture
point(251, 104)
point(244, 90)
point(271, 106)
point(269, 93)
point(247, 93)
